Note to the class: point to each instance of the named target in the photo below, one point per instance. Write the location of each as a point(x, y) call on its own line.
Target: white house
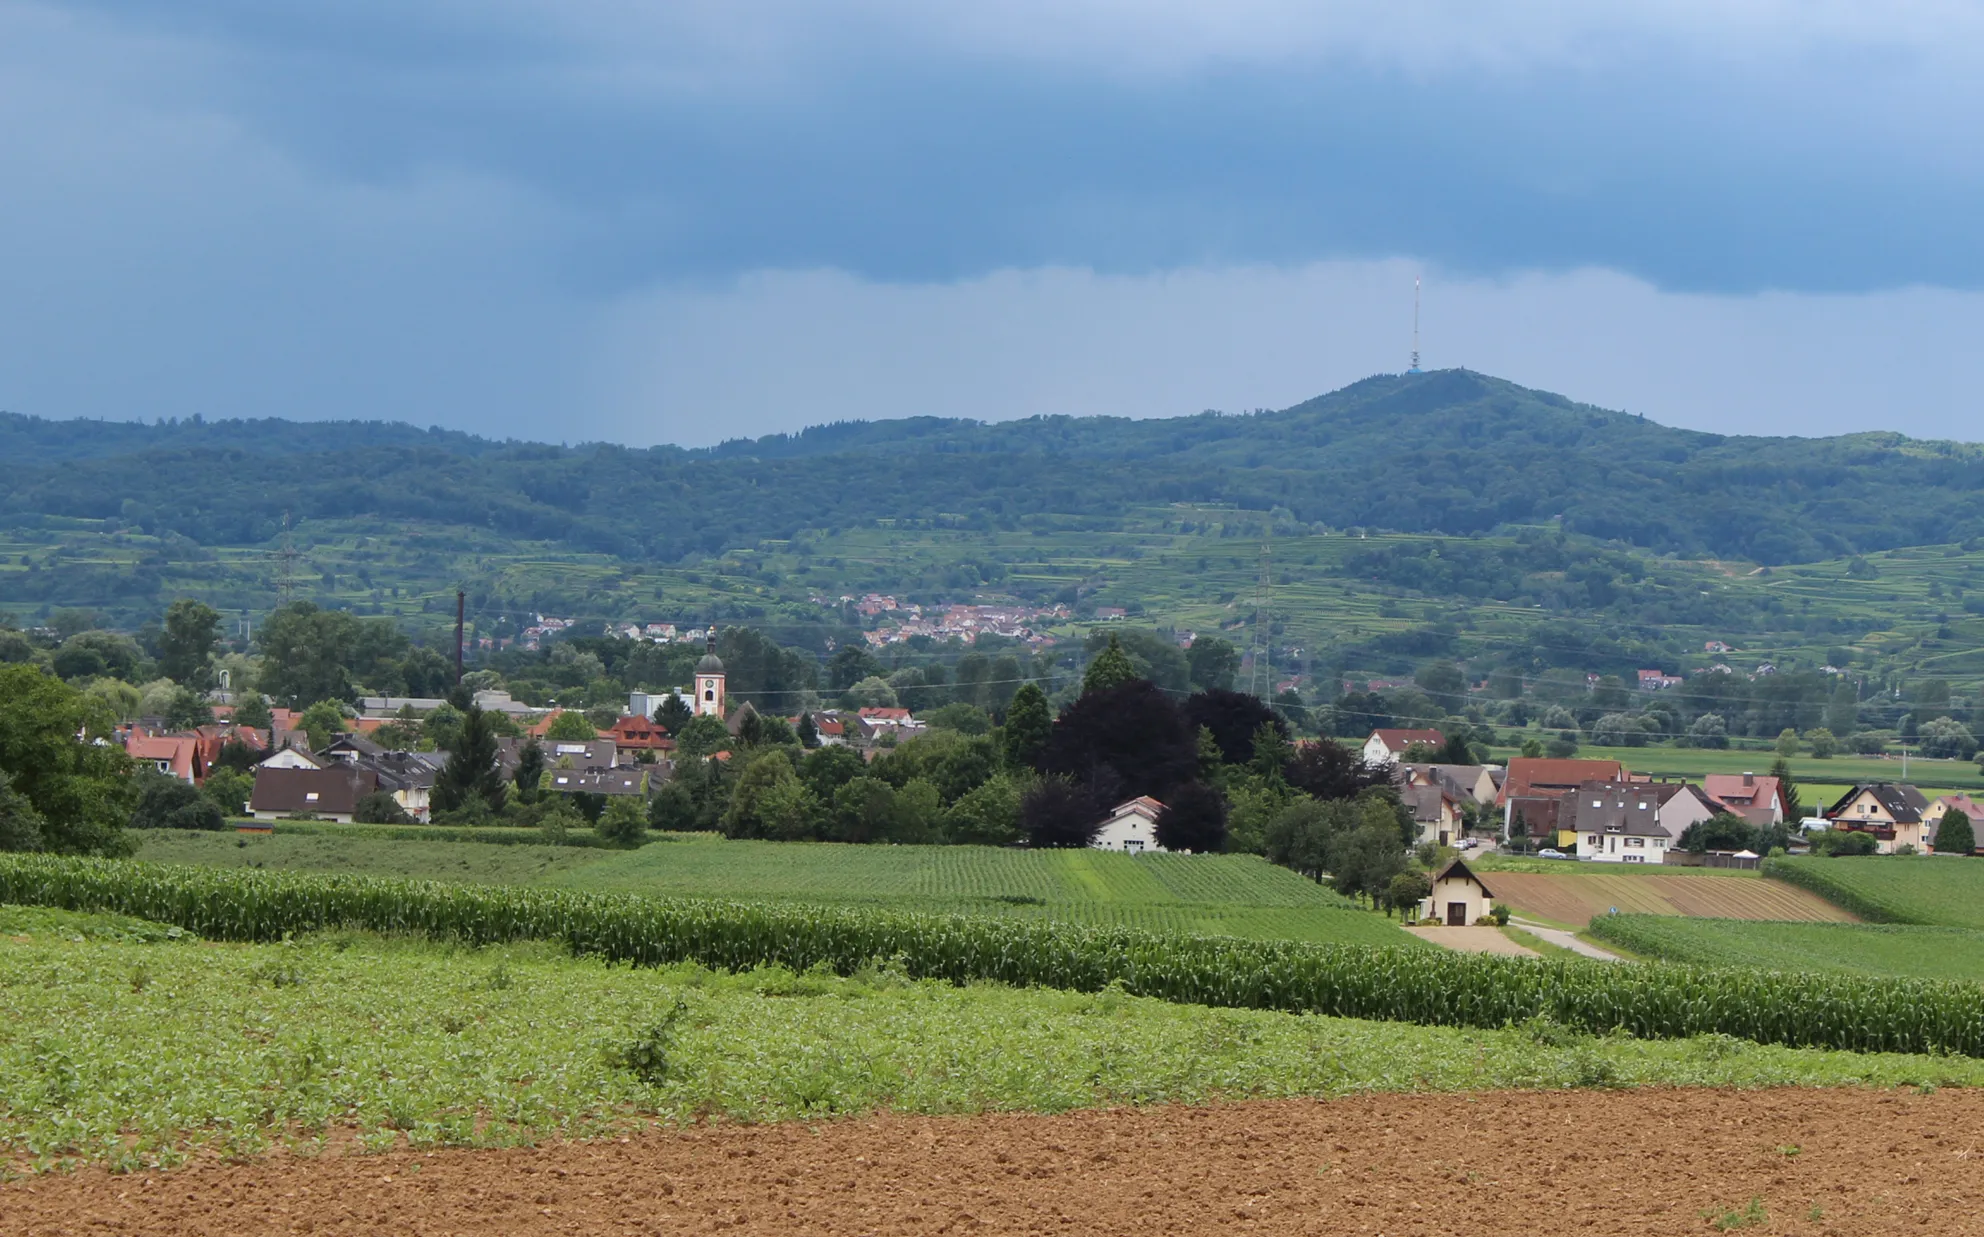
point(1131, 827)
point(1387, 746)
point(1458, 898)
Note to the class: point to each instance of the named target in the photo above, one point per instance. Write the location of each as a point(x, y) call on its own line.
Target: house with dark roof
point(1892, 811)
point(326, 794)
point(1473, 783)
point(1437, 812)
point(628, 780)
point(1459, 897)
point(1619, 822)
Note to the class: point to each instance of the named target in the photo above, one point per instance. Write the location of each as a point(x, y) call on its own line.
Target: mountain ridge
point(1450, 452)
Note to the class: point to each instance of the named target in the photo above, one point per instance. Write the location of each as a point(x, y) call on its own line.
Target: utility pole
point(461, 611)
point(1260, 680)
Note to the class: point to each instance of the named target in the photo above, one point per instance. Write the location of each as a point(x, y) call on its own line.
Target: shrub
point(379, 808)
point(168, 803)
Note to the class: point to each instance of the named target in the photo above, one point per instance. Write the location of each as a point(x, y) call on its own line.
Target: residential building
point(291, 758)
point(1388, 746)
point(1534, 787)
point(175, 755)
point(634, 733)
point(1891, 811)
point(1437, 812)
point(624, 781)
point(327, 794)
point(1470, 783)
point(1758, 800)
point(1942, 805)
point(1459, 898)
point(1131, 827)
point(1619, 822)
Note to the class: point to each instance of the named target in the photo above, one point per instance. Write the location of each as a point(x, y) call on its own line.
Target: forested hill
point(1447, 452)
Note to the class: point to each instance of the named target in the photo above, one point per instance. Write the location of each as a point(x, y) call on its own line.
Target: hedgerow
point(1401, 985)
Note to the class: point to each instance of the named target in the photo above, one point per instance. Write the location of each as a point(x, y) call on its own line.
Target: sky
point(691, 221)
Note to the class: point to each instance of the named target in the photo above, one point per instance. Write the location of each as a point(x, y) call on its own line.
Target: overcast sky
point(590, 219)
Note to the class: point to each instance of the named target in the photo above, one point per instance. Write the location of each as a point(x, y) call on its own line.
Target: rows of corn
point(1433, 987)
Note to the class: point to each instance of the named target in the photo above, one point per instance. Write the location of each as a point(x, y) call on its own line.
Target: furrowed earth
point(1597, 1162)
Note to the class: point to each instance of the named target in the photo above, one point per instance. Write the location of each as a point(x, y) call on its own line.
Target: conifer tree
point(1954, 836)
point(1028, 723)
point(1111, 668)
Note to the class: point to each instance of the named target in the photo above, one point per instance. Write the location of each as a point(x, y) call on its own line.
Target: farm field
point(1938, 891)
point(1849, 948)
point(1788, 1161)
point(1574, 898)
point(1230, 895)
point(317, 851)
point(132, 1054)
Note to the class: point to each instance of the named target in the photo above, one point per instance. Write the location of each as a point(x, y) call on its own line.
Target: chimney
point(1749, 779)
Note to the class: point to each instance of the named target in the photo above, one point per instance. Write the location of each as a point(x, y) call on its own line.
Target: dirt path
point(1473, 941)
point(1565, 940)
point(1594, 1163)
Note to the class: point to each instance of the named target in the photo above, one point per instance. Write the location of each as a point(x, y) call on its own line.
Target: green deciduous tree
point(20, 824)
point(229, 788)
point(624, 822)
point(322, 721)
point(380, 808)
point(1824, 744)
point(187, 643)
point(989, 813)
point(169, 803)
point(573, 727)
point(49, 747)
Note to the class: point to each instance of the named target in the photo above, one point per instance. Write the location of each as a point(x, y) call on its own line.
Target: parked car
point(1551, 853)
point(1469, 843)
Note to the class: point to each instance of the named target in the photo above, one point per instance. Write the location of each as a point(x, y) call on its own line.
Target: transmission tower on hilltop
point(1415, 327)
point(1260, 679)
point(285, 565)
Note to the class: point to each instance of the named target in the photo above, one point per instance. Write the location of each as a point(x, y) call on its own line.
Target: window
point(1598, 803)
point(310, 796)
point(1636, 841)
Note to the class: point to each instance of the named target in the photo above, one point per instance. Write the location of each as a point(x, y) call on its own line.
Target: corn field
point(1428, 987)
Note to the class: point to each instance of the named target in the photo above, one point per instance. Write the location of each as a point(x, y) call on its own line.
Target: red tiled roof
point(1398, 740)
point(1533, 776)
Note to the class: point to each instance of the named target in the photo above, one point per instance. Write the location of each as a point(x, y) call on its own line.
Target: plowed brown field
point(1592, 1163)
point(1574, 897)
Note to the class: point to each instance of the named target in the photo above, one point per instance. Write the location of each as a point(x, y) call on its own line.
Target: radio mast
point(1415, 327)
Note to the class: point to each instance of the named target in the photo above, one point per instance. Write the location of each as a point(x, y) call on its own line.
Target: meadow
point(130, 1054)
point(1859, 949)
point(1929, 890)
point(1232, 895)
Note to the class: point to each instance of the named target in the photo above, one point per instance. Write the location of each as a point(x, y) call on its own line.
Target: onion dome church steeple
point(709, 682)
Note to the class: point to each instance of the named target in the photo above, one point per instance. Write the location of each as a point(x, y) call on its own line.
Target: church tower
point(709, 682)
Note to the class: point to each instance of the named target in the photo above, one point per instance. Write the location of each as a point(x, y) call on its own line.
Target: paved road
point(1557, 936)
point(1473, 940)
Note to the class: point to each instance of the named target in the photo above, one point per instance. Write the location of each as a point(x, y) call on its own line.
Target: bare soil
point(1820, 1162)
point(1575, 896)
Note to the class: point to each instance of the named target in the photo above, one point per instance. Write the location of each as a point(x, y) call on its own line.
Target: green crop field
point(1939, 891)
point(1850, 948)
point(1232, 895)
point(129, 1054)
